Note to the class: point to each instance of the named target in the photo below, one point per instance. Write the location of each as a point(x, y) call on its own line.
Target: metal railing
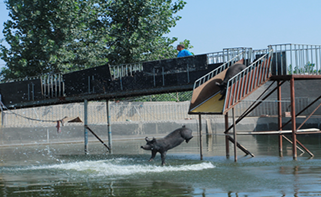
point(52, 86)
point(298, 59)
point(248, 80)
point(124, 70)
point(19, 79)
point(226, 55)
point(231, 56)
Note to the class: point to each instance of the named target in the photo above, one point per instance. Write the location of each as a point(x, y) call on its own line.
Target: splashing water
point(119, 166)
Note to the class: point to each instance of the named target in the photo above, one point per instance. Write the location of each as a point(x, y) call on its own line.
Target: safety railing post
point(86, 124)
point(109, 125)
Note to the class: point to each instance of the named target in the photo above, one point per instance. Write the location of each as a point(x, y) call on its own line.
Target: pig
point(170, 141)
point(231, 72)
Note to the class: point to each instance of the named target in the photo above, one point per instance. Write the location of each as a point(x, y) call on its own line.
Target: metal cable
point(28, 118)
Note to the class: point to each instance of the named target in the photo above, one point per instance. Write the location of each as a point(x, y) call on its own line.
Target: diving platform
point(278, 63)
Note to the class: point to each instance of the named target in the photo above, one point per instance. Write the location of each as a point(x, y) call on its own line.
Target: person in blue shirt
point(182, 51)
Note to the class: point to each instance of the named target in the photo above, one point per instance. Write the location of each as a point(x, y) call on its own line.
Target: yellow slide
point(205, 99)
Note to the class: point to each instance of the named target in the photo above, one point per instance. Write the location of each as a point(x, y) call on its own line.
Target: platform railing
point(20, 79)
point(248, 80)
point(257, 53)
point(297, 59)
point(124, 70)
point(53, 86)
point(231, 56)
point(225, 55)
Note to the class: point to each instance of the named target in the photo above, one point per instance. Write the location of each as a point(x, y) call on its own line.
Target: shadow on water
point(64, 170)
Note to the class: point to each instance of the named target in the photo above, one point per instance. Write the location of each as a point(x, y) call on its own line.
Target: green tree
point(57, 36)
point(137, 29)
point(49, 37)
point(307, 68)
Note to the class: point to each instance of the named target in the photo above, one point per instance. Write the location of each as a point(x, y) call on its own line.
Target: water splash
point(120, 166)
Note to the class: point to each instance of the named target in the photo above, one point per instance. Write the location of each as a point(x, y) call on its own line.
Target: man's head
point(180, 47)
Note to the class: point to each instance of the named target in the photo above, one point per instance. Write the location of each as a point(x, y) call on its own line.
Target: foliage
point(137, 29)
point(40, 33)
point(48, 37)
point(175, 96)
point(307, 68)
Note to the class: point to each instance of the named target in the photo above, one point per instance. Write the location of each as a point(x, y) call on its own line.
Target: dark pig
point(170, 141)
point(231, 72)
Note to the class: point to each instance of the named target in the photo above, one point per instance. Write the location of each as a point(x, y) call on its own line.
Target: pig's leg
point(163, 156)
point(222, 97)
point(153, 155)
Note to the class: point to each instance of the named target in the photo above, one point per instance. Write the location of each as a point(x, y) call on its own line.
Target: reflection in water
point(64, 170)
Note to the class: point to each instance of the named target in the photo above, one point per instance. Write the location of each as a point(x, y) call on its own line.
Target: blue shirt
point(184, 53)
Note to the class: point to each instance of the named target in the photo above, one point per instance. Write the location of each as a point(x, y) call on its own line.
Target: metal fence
point(297, 59)
point(230, 57)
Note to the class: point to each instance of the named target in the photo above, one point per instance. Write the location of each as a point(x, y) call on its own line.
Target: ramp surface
point(205, 98)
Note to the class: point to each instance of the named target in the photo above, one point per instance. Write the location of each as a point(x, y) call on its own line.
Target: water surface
point(64, 170)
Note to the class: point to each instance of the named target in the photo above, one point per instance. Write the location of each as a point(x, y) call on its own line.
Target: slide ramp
point(205, 98)
point(206, 94)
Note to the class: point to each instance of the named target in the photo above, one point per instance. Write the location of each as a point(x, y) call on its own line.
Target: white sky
point(212, 25)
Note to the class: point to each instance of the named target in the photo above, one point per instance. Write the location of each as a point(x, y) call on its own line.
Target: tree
point(137, 29)
point(48, 37)
point(307, 68)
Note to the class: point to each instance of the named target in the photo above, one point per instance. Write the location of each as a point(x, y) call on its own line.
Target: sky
point(212, 25)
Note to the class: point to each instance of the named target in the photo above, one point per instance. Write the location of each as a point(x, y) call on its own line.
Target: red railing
point(244, 83)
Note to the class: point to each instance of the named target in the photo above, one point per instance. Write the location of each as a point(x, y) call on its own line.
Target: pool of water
point(64, 170)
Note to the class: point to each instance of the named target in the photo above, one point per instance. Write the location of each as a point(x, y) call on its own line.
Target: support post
point(227, 144)
point(280, 118)
point(200, 130)
point(86, 123)
point(234, 133)
point(1, 112)
point(109, 125)
point(294, 150)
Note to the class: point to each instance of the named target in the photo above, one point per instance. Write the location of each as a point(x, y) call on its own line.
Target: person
point(182, 51)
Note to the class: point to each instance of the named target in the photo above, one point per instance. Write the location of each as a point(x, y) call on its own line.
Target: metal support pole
point(97, 137)
point(1, 112)
point(234, 133)
point(227, 144)
point(280, 118)
point(200, 130)
point(294, 151)
point(109, 126)
point(86, 123)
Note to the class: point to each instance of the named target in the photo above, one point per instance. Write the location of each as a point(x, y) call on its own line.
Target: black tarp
point(182, 64)
point(88, 81)
point(20, 91)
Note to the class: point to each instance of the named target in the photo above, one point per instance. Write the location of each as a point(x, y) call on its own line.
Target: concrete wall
point(74, 133)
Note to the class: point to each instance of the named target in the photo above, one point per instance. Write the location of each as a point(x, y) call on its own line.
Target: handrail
point(221, 68)
point(297, 59)
point(248, 80)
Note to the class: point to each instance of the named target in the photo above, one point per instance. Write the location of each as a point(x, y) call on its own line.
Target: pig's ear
point(217, 83)
point(154, 139)
point(146, 138)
